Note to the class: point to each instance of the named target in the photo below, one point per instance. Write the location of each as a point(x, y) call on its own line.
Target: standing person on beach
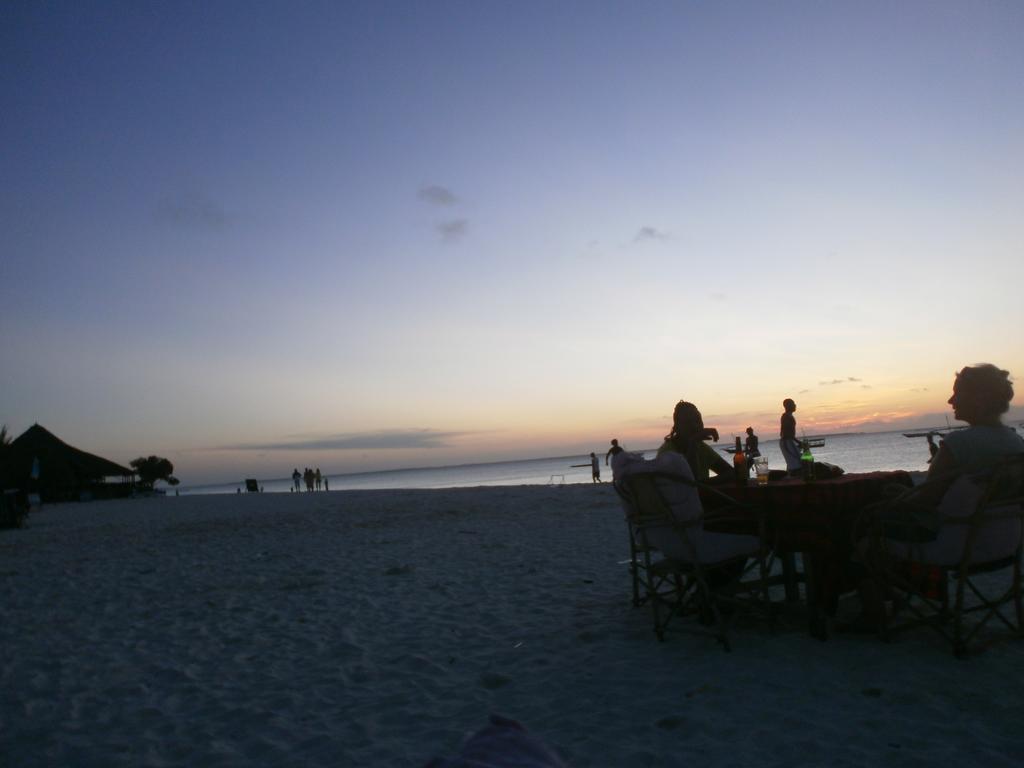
point(595, 468)
point(612, 451)
point(318, 478)
point(296, 478)
point(788, 443)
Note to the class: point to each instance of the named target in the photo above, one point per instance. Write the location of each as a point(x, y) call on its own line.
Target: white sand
point(379, 628)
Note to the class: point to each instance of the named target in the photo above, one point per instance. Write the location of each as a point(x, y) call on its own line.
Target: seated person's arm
point(921, 502)
point(941, 474)
point(715, 462)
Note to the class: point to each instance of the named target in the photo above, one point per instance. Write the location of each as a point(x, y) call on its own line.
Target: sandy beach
point(379, 628)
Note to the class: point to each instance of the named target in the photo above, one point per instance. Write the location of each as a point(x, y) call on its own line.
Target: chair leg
point(659, 627)
point(634, 573)
point(766, 598)
point(720, 628)
point(1017, 603)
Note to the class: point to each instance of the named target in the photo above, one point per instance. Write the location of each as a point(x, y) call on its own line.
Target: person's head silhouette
point(687, 425)
point(981, 394)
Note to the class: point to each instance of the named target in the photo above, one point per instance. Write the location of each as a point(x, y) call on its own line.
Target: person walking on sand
point(612, 451)
point(595, 468)
point(296, 478)
point(788, 443)
point(318, 478)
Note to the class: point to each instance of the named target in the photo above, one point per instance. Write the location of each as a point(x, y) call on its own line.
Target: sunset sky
point(254, 236)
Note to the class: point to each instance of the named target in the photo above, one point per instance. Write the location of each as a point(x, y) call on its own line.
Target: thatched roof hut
point(64, 471)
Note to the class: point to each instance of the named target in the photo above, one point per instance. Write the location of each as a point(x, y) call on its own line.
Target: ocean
point(863, 452)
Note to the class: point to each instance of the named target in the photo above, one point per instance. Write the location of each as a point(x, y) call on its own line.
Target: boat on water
point(813, 442)
point(934, 431)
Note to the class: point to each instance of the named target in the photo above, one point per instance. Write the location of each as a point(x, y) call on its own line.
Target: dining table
point(813, 518)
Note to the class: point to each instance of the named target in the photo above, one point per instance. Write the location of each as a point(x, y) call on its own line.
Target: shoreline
point(854, 452)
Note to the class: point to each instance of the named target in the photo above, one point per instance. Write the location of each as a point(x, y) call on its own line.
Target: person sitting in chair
point(685, 454)
point(981, 395)
point(687, 438)
point(750, 445)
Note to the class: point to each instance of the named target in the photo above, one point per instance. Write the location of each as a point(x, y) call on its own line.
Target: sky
point(251, 236)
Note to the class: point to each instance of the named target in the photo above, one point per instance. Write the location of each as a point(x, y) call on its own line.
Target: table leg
point(789, 576)
point(816, 623)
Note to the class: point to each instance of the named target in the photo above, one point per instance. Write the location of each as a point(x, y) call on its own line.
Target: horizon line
point(534, 458)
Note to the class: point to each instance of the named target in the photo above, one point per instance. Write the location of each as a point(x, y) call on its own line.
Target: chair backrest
point(672, 475)
point(664, 512)
point(645, 503)
point(985, 511)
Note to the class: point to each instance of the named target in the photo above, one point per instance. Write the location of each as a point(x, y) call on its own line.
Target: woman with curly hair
point(981, 395)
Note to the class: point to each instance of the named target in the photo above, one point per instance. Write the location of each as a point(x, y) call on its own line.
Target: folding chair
point(981, 532)
point(638, 563)
point(698, 572)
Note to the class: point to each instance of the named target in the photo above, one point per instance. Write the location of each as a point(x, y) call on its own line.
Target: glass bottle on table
point(739, 464)
point(807, 462)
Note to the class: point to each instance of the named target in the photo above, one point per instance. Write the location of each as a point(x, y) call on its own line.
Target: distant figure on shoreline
point(612, 451)
point(296, 478)
point(327, 485)
point(750, 446)
point(788, 443)
point(595, 468)
point(318, 478)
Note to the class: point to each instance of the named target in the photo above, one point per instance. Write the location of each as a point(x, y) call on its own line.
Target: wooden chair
point(682, 570)
point(936, 583)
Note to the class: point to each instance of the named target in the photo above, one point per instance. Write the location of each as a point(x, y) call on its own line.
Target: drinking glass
point(761, 468)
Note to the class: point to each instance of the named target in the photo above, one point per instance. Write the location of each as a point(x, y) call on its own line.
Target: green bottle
point(807, 462)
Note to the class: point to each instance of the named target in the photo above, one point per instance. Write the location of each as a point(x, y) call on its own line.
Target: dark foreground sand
point(377, 628)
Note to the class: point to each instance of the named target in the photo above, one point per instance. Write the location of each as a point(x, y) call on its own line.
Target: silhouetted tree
point(5, 443)
point(153, 468)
